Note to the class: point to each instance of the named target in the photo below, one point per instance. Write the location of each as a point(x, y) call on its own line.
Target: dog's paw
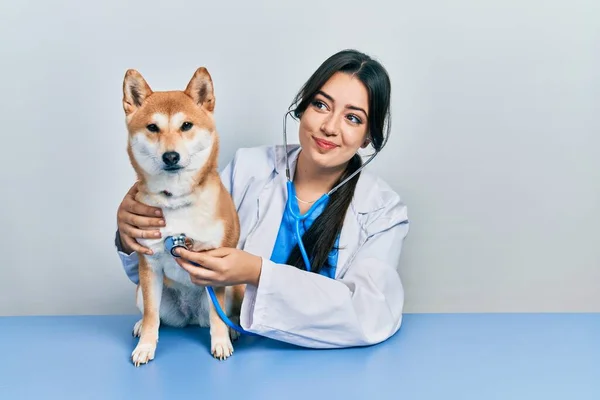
point(221, 347)
point(143, 353)
point(137, 329)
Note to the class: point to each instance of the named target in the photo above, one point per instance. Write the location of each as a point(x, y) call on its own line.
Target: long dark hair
point(320, 238)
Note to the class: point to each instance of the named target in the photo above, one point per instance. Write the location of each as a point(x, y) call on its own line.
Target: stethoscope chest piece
point(175, 241)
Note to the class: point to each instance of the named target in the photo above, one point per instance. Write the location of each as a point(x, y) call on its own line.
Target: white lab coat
point(362, 305)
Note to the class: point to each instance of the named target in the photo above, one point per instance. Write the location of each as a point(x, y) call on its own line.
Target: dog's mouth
point(172, 168)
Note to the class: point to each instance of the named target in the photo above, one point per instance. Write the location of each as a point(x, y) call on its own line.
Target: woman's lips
point(325, 144)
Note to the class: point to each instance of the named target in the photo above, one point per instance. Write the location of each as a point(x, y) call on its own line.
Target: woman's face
point(335, 124)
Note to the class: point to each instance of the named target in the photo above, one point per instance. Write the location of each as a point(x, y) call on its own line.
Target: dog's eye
point(152, 128)
point(186, 126)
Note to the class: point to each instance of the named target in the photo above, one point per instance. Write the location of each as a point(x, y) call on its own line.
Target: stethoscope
point(173, 242)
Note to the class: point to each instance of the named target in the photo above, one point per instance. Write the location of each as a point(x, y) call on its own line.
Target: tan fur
point(201, 192)
point(149, 333)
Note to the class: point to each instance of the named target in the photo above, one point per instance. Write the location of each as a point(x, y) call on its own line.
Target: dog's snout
point(170, 158)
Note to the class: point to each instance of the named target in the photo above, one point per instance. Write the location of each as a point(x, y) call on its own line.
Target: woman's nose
point(330, 125)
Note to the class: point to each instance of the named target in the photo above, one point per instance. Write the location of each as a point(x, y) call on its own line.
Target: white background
point(495, 145)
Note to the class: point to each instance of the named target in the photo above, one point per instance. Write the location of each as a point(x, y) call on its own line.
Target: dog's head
point(171, 133)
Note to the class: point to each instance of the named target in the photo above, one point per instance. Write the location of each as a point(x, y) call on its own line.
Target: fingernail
point(157, 234)
point(161, 222)
point(158, 212)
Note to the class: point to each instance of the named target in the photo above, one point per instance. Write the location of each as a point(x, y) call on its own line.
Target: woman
point(352, 295)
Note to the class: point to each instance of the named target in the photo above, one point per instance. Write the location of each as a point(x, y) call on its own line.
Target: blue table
point(464, 356)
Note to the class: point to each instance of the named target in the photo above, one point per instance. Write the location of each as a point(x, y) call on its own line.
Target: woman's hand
point(224, 266)
point(136, 220)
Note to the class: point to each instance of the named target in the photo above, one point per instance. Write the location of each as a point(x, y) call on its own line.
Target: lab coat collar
point(361, 203)
point(274, 195)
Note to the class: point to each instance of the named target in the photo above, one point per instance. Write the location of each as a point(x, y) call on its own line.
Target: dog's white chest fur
point(194, 215)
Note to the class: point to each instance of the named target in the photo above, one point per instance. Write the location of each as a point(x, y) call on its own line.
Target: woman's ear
point(366, 142)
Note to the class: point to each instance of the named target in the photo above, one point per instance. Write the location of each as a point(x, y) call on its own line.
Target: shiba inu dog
point(173, 146)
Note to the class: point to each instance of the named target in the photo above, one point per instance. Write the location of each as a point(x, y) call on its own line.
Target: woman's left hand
point(224, 266)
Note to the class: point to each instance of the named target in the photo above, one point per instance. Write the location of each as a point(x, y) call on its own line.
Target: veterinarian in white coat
point(354, 295)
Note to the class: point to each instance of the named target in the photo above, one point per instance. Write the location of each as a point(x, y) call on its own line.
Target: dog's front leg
point(151, 285)
point(220, 342)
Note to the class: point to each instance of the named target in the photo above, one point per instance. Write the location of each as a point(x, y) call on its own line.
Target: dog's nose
point(171, 158)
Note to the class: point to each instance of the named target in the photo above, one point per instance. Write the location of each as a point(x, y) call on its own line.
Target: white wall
point(495, 143)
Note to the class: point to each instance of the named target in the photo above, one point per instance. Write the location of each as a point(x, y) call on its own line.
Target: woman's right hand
point(137, 220)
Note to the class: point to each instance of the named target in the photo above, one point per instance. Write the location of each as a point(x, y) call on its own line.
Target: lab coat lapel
point(352, 235)
point(270, 206)
point(270, 203)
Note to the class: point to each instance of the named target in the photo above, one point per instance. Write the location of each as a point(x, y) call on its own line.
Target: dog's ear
point(200, 89)
point(135, 91)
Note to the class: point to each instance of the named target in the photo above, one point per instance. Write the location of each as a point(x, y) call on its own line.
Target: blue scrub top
point(286, 238)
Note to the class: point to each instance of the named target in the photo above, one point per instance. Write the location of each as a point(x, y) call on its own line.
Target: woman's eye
point(152, 128)
point(354, 119)
point(186, 126)
point(319, 104)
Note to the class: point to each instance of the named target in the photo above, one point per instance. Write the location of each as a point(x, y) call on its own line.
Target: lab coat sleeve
point(364, 307)
point(130, 261)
